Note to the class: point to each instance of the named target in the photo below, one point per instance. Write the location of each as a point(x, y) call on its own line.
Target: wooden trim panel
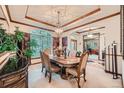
point(35, 58)
point(36, 63)
point(116, 55)
point(39, 21)
point(31, 25)
point(81, 17)
point(91, 30)
point(2, 18)
point(11, 20)
point(94, 21)
point(16, 79)
point(112, 72)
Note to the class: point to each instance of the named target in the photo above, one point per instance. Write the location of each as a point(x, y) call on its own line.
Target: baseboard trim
point(36, 58)
point(112, 72)
point(36, 63)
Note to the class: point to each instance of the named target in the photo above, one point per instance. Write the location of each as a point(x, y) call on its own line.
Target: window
point(43, 39)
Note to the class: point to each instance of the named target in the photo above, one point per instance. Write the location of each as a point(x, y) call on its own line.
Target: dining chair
point(49, 67)
point(43, 65)
point(79, 70)
point(47, 50)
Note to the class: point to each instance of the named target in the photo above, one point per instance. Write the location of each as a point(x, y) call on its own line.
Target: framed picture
point(64, 42)
point(55, 42)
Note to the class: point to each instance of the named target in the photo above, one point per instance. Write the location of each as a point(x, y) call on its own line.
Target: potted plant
point(13, 42)
point(16, 69)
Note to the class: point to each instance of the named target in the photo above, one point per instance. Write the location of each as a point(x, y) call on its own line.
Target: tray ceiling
point(46, 16)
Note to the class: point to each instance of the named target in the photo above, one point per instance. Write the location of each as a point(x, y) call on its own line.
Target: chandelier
point(58, 30)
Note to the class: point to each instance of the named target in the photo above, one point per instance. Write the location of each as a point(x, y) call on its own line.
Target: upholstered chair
point(49, 67)
point(48, 51)
point(43, 65)
point(80, 70)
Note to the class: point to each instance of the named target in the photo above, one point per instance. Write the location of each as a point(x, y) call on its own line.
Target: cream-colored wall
point(69, 36)
point(111, 33)
point(123, 71)
point(75, 37)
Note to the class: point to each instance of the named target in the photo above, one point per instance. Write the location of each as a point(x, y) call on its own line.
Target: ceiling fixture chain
point(58, 30)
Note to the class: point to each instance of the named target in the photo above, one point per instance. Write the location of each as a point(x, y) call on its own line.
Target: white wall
point(111, 33)
point(77, 37)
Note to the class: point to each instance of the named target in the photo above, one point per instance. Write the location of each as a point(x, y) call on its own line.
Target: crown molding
point(94, 21)
point(83, 16)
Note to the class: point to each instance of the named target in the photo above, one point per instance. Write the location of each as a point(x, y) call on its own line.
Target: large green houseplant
point(13, 42)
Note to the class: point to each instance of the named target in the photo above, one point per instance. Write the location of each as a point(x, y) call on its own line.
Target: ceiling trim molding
point(39, 21)
point(2, 19)
point(4, 16)
point(83, 16)
point(94, 21)
point(36, 20)
point(31, 25)
point(90, 30)
point(11, 20)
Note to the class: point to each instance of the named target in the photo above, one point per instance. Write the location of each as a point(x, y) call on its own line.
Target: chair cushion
point(72, 71)
point(55, 68)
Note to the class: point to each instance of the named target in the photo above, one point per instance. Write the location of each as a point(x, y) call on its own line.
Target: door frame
point(72, 40)
point(98, 43)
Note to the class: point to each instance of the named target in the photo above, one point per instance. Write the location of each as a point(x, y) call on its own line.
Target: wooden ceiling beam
point(91, 30)
point(39, 21)
point(6, 16)
point(81, 17)
point(94, 21)
point(31, 25)
point(2, 18)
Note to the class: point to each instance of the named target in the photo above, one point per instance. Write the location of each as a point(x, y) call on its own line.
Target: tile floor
point(96, 78)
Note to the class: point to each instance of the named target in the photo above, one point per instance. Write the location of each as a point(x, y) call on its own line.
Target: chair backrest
point(83, 62)
point(47, 50)
point(46, 61)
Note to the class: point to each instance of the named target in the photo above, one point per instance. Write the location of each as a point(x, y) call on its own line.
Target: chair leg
point(46, 73)
point(61, 71)
point(84, 76)
point(42, 68)
point(78, 82)
point(50, 77)
point(66, 74)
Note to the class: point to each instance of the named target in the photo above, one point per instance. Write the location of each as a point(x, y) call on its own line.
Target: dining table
point(64, 63)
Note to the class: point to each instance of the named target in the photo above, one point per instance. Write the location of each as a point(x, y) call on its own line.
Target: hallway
point(96, 78)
